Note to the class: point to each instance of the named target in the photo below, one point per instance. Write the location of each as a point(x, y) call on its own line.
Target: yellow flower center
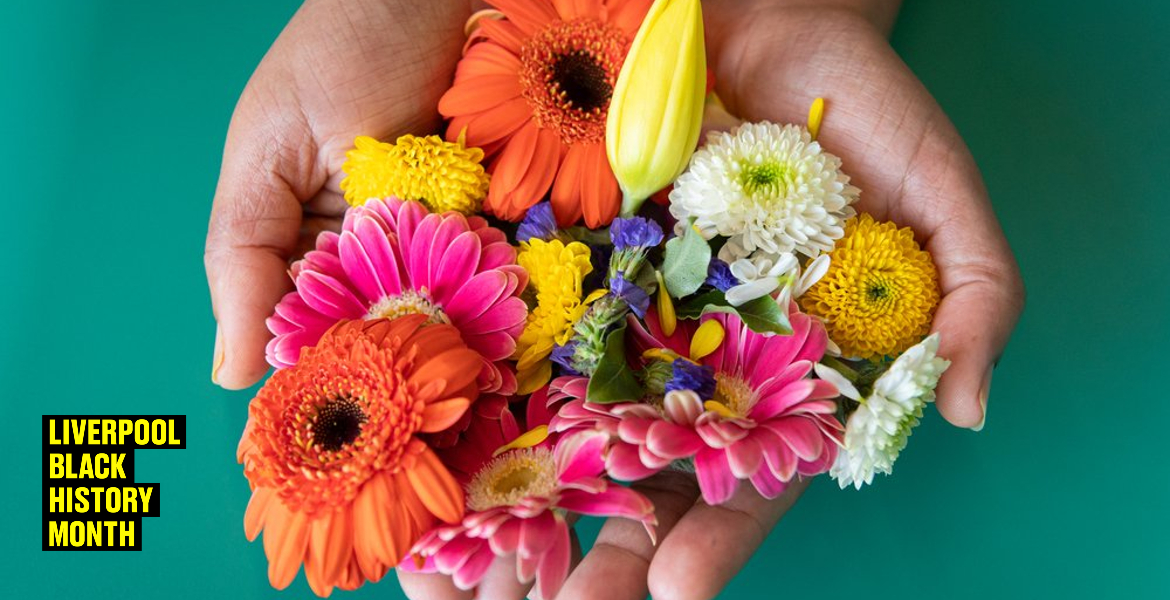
point(733, 397)
point(443, 176)
point(879, 295)
point(409, 302)
point(511, 477)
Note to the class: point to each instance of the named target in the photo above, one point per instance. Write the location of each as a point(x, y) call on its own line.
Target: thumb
point(254, 228)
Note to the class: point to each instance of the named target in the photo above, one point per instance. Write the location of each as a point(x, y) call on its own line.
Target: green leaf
point(761, 315)
point(684, 267)
point(614, 381)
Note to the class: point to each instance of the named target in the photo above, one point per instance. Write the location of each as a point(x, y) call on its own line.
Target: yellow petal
point(816, 113)
point(718, 408)
point(707, 339)
point(527, 439)
point(657, 106)
point(667, 320)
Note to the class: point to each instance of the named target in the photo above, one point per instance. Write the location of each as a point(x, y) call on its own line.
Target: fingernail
point(983, 393)
point(217, 362)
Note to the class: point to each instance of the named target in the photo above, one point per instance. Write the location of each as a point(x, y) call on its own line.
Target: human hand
point(771, 59)
point(339, 69)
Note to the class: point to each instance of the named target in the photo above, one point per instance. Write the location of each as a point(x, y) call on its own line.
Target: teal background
point(112, 117)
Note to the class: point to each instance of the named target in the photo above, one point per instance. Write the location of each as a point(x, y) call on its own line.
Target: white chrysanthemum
point(876, 432)
point(768, 189)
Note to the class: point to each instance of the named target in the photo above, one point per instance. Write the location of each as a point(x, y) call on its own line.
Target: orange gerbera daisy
point(340, 479)
point(532, 91)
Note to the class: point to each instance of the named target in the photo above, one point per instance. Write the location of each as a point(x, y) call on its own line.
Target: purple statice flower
point(690, 376)
point(538, 223)
point(635, 232)
point(563, 356)
point(719, 276)
point(631, 293)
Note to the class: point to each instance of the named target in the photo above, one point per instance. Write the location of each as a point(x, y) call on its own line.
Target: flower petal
point(716, 481)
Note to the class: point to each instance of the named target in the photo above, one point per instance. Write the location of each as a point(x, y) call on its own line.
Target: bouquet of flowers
point(569, 291)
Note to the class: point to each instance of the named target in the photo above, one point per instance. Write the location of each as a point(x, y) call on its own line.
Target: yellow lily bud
point(657, 104)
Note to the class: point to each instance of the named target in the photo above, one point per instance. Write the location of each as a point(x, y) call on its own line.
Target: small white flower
point(877, 431)
point(769, 189)
point(759, 277)
point(762, 275)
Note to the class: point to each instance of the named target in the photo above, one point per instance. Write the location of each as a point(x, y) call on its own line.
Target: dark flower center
point(583, 81)
point(338, 423)
point(877, 291)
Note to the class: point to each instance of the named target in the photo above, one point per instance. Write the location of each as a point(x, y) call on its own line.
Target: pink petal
point(623, 463)
point(369, 261)
point(579, 456)
point(328, 296)
point(554, 566)
point(781, 460)
point(471, 572)
point(496, 255)
point(682, 409)
point(800, 434)
point(505, 316)
point(634, 430)
point(536, 535)
point(453, 265)
point(675, 441)
point(767, 484)
point(478, 295)
point(714, 474)
point(507, 537)
point(455, 553)
point(615, 501)
point(782, 400)
point(744, 457)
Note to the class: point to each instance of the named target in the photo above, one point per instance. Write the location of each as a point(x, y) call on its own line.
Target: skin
point(348, 67)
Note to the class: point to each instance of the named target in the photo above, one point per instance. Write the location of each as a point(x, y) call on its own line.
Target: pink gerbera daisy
point(758, 416)
point(517, 503)
point(394, 258)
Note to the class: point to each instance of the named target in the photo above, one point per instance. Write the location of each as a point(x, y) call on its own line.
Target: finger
point(982, 292)
point(431, 586)
point(710, 544)
point(254, 228)
point(617, 565)
point(501, 582)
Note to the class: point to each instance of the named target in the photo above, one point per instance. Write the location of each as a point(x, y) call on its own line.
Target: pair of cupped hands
point(343, 68)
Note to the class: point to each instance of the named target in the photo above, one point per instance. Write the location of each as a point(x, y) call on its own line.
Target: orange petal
point(566, 192)
point(438, 416)
point(543, 169)
point(330, 548)
point(371, 526)
point(487, 59)
point(529, 15)
point(286, 538)
point(573, 9)
point(600, 195)
point(402, 533)
point(458, 367)
point(496, 124)
point(477, 94)
point(504, 33)
point(257, 509)
point(436, 488)
point(627, 15)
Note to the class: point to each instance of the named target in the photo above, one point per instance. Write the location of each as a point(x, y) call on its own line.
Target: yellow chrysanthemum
point(556, 271)
point(442, 175)
point(879, 295)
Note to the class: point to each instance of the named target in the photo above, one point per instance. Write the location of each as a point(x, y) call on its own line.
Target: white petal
point(833, 376)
